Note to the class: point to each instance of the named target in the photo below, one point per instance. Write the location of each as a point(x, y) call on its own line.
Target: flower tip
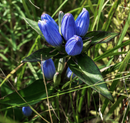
point(60, 12)
point(43, 13)
point(68, 14)
point(42, 22)
point(57, 73)
point(39, 21)
point(84, 9)
point(68, 27)
point(82, 23)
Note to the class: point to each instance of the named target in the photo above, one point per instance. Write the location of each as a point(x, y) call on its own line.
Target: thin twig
point(64, 113)
point(34, 5)
point(12, 72)
point(46, 92)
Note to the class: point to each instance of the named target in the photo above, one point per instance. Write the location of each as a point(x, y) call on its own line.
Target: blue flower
point(27, 111)
point(74, 45)
point(49, 68)
point(82, 23)
point(69, 73)
point(48, 17)
point(50, 32)
point(68, 27)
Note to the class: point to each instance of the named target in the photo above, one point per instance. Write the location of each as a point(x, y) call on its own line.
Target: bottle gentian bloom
point(49, 68)
point(82, 23)
point(50, 32)
point(68, 27)
point(74, 45)
point(69, 73)
point(48, 17)
point(27, 111)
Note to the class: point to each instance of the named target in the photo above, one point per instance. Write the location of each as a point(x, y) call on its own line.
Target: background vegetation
point(76, 103)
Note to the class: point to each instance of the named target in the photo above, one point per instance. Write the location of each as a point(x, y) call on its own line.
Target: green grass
point(72, 102)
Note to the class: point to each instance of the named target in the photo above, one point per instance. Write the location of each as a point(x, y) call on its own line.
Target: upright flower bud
point(50, 32)
point(82, 23)
point(69, 73)
point(48, 68)
point(48, 17)
point(60, 17)
point(68, 27)
point(27, 111)
point(57, 79)
point(61, 65)
point(74, 45)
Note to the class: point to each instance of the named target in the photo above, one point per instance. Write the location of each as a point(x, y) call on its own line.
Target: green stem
point(57, 105)
point(71, 101)
point(77, 101)
point(81, 99)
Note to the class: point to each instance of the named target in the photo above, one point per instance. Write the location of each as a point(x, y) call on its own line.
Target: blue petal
point(49, 68)
point(50, 33)
point(27, 111)
point(82, 23)
point(74, 46)
point(48, 17)
point(69, 73)
point(68, 27)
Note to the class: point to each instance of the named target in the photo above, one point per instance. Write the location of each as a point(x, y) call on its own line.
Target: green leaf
point(111, 54)
point(110, 15)
point(88, 72)
point(34, 25)
point(5, 90)
point(116, 104)
point(111, 68)
point(123, 32)
point(44, 53)
point(111, 50)
point(122, 67)
point(32, 94)
point(125, 62)
point(99, 36)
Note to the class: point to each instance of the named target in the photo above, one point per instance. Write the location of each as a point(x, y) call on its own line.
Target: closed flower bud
point(69, 73)
point(57, 79)
point(48, 68)
point(68, 27)
point(50, 32)
point(74, 45)
point(27, 111)
point(61, 65)
point(48, 17)
point(60, 17)
point(82, 23)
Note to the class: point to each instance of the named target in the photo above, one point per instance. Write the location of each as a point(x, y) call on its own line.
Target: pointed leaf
point(99, 36)
point(44, 53)
point(34, 25)
point(32, 94)
point(89, 73)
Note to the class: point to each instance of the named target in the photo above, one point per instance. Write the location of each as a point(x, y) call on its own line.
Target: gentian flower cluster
point(27, 111)
point(72, 31)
